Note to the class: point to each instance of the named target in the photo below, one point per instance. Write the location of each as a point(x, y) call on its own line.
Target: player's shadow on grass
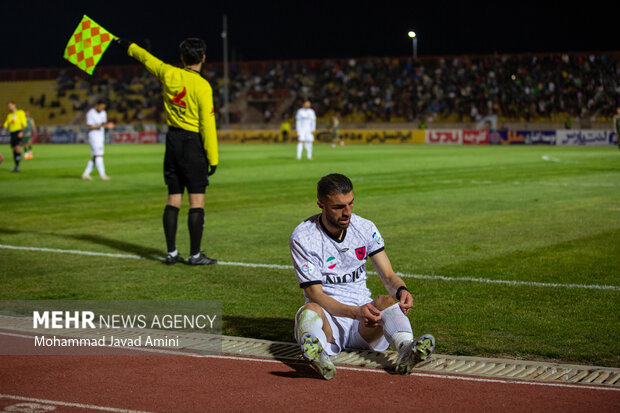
point(263, 328)
point(122, 246)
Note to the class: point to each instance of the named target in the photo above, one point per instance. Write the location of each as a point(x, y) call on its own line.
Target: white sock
point(308, 146)
point(396, 326)
point(300, 148)
point(89, 167)
point(99, 164)
point(174, 253)
point(311, 322)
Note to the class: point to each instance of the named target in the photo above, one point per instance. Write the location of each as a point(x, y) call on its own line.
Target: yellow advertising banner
point(349, 136)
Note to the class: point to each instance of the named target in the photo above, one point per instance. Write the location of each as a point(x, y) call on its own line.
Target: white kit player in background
point(305, 124)
point(329, 253)
point(97, 121)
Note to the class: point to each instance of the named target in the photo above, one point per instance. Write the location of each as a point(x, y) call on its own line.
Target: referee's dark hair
point(333, 184)
point(192, 50)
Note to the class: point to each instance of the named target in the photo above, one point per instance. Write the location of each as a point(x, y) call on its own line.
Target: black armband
point(400, 290)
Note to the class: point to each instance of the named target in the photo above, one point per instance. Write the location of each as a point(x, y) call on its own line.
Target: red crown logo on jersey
point(178, 99)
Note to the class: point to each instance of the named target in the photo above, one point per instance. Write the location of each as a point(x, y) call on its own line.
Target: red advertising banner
point(449, 137)
point(475, 137)
point(134, 137)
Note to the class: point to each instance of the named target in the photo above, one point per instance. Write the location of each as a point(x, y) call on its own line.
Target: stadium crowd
point(524, 87)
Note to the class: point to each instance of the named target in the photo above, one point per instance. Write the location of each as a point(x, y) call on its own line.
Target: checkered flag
point(87, 44)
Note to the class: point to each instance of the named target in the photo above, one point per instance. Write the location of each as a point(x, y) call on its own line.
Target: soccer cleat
point(105, 178)
point(87, 177)
point(201, 260)
point(312, 350)
point(411, 354)
point(16, 169)
point(173, 259)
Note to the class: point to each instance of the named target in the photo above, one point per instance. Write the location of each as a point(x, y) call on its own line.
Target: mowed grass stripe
point(289, 268)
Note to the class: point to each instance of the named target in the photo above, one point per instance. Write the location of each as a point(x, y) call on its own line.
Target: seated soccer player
point(329, 253)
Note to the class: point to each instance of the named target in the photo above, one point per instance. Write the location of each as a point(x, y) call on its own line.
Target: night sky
point(35, 32)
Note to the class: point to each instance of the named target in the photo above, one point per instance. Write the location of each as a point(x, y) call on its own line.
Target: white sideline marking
point(361, 369)
point(288, 267)
point(67, 404)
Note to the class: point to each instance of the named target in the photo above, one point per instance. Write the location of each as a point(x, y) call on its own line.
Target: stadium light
point(414, 39)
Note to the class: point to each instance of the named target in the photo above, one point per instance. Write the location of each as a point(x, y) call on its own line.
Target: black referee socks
point(171, 215)
point(195, 224)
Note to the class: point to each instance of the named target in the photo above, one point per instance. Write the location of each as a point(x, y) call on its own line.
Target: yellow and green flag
point(87, 44)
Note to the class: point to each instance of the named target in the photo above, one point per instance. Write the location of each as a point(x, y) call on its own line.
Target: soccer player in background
point(329, 253)
point(305, 124)
point(616, 122)
point(29, 130)
point(16, 122)
point(97, 121)
point(191, 142)
point(334, 127)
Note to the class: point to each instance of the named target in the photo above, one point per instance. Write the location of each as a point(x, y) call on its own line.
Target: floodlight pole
point(414, 39)
point(225, 45)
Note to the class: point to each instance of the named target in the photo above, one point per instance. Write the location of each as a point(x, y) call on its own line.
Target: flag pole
point(226, 80)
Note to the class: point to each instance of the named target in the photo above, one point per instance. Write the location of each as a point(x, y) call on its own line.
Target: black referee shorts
point(185, 162)
point(15, 139)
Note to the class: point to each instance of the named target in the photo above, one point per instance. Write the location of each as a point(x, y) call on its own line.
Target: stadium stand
point(526, 88)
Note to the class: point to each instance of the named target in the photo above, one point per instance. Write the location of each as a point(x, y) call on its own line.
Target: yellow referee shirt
point(16, 121)
point(188, 99)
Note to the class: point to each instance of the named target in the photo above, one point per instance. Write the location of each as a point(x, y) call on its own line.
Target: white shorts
point(345, 332)
point(305, 137)
point(96, 145)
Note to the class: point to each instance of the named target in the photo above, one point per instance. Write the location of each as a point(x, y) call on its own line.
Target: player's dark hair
point(333, 184)
point(192, 50)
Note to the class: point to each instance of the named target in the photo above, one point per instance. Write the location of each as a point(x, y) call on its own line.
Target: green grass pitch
point(538, 217)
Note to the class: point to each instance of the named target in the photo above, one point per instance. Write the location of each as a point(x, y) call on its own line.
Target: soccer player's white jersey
point(96, 137)
point(94, 118)
point(340, 266)
point(305, 124)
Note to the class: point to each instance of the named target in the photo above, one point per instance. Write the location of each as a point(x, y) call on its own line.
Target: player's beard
point(337, 223)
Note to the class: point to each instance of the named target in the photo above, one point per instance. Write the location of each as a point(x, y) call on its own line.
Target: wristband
point(400, 289)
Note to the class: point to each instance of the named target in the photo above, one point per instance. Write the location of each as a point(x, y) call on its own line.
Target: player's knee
point(384, 301)
point(174, 200)
point(313, 307)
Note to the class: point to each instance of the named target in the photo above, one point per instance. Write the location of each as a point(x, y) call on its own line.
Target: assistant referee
point(16, 122)
point(191, 143)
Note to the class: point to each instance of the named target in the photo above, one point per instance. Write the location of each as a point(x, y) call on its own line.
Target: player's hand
point(406, 301)
point(212, 169)
point(369, 315)
point(123, 44)
point(110, 125)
